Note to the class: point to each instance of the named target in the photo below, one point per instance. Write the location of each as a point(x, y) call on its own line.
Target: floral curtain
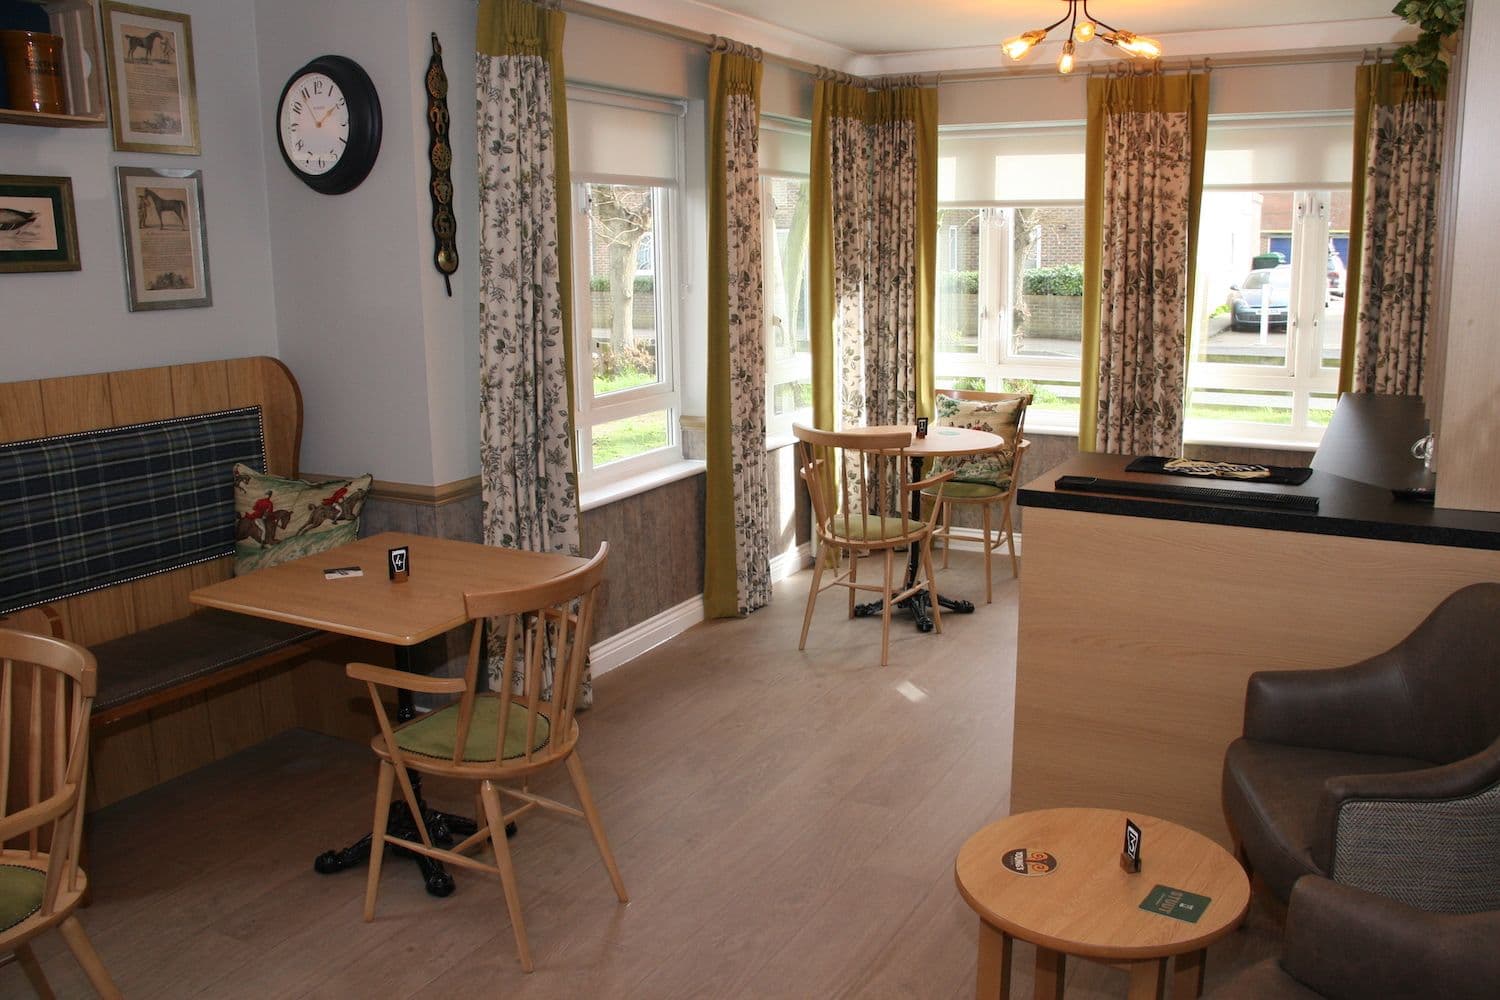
point(737, 562)
point(1145, 183)
point(873, 244)
point(1398, 157)
point(527, 463)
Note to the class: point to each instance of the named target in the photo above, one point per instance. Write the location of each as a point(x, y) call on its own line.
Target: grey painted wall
point(76, 322)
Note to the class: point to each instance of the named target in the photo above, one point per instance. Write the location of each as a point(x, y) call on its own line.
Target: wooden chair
point(46, 692)
point(992, 487)
point(494, 737)
point(861, 490)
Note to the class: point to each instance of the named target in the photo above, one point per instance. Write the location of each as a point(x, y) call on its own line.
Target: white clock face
point(314, 123)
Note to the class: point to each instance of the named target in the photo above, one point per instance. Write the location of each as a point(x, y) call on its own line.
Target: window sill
point(608, 493)
point(1276, 444)
point(775, 442)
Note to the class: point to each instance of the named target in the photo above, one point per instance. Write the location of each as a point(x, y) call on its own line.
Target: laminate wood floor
point(786, 824)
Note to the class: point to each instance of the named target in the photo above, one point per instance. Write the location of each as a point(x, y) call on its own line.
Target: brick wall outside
point(1055, 317)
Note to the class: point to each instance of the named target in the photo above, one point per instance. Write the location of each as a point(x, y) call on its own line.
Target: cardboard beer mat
point(1028, 862)
point(1179, 904)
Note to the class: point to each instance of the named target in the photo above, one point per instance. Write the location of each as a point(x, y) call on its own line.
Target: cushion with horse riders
point(278, 520)
point(1000, 417)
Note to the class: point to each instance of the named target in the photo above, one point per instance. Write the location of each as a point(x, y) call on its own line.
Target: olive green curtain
point(1398, 138)
point(1142, 201)
point(528, 460)
point(872, 243)
point(737, 570)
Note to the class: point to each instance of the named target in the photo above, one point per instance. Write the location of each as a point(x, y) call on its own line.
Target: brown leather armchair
point(1347, 944)
point(1385, 774)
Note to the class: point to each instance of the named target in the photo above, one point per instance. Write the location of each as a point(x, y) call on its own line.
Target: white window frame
point(1303, 373)
point(995, 360)
point(668, 291)
point(779, 369)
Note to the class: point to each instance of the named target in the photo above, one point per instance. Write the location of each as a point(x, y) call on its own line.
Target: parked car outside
point(1335, 273)
point(1273, 286)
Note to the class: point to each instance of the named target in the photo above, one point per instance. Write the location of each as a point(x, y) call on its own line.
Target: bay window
point(1010, 265)
point(1269, 307)
point(784, 153)
point(627, 165)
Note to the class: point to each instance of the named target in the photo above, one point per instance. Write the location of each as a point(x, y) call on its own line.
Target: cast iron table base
point(441, 827)
point(920, 603)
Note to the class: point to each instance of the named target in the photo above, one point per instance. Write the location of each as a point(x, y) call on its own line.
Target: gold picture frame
point(153, 95)
point(165, 238)
point(38, 230)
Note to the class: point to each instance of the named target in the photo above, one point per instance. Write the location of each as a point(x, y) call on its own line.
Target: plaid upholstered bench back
point(116, 502)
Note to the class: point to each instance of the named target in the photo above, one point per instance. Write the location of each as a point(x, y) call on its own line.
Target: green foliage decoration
point(1426, 58)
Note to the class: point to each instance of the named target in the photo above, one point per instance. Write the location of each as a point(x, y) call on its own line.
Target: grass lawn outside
point(629, 437)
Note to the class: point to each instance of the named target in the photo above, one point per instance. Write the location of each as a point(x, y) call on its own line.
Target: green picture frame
point(38, 228)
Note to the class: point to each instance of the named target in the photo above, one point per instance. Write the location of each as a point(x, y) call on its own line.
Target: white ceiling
point(916, 36)
point(889, 26)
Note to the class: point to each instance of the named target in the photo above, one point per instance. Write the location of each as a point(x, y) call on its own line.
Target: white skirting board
point(622, 647)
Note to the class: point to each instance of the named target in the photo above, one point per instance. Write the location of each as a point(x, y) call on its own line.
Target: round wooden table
point(940, 442)
point(1087, 905)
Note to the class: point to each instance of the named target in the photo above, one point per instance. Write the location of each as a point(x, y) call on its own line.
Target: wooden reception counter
point(1142, 618)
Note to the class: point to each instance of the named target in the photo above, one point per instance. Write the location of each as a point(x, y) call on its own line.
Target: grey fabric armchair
point(1384, 775)
point(1347, 944)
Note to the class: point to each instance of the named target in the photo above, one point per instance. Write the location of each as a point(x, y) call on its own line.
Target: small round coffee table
point(1086, 905)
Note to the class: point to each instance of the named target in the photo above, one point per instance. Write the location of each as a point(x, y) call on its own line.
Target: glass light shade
point(1065, 61)
point(1084, 31)
point(1136, 45)
point(1022, 43)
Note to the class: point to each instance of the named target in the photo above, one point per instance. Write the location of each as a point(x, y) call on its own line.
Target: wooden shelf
point(15, 116)
point(77, 21)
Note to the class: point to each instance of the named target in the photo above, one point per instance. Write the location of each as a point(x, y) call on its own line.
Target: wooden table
point(1088, 906)
point(940, 442)
point(372, 606)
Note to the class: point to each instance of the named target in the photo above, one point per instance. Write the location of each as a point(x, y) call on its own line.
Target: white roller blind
point(1011, 166)
point(1279, 151)
point(623, 137)
point(785, 147)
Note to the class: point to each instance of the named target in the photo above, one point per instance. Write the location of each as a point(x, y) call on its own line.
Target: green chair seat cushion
point(434, 734)
point(969, 491)
point(871, 529)
point(21, 891)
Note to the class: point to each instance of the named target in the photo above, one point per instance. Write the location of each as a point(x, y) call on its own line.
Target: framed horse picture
point(153, 98)
point(165, 237)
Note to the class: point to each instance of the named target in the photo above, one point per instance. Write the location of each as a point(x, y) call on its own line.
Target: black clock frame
point(364, 125)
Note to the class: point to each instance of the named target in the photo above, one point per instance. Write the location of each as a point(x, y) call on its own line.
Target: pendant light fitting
point(1082, 31)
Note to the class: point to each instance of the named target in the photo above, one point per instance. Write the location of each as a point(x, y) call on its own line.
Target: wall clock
point(328, 124)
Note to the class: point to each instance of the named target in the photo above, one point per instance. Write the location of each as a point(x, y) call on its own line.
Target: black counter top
point(1345, 507)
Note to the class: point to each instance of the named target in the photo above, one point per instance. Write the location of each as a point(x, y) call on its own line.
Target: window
point(1010, 286)
point(788, 336)
point(784, 152)
point(1272, 245)
point(627, 164)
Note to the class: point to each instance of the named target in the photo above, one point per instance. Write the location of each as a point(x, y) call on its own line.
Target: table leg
point(920, 603)
point(994, 964)
point(1188, 980)
point(1148, 979)
point(1051, 970)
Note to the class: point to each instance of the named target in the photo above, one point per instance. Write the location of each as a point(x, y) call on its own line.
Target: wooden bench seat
point(178, 658)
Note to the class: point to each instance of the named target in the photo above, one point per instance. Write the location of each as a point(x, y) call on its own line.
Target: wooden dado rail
point(177, 729)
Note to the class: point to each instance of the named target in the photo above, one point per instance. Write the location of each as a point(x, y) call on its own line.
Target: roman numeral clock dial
point(328, 124)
